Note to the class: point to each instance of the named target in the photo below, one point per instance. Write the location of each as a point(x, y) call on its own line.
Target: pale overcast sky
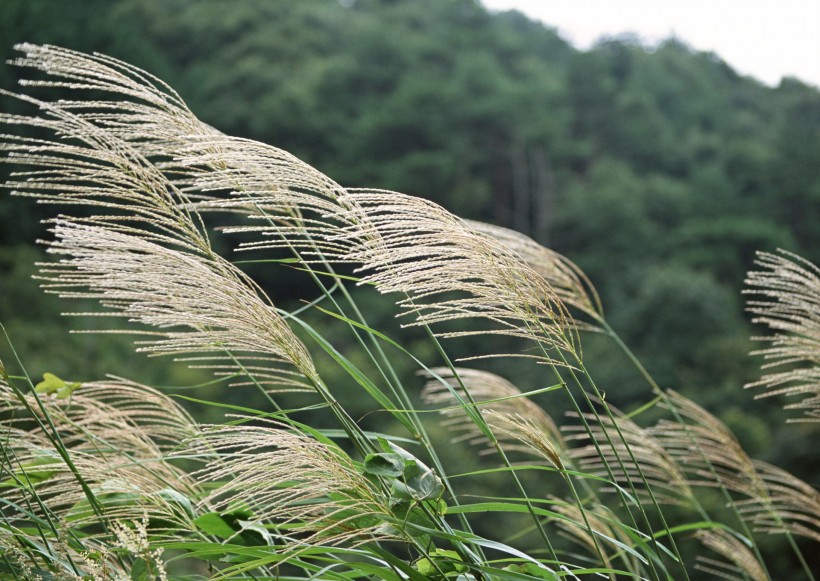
point(763, 39)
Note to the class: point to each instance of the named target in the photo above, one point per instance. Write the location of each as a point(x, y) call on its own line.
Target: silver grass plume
point(447, 271)
point(705, 448)
point(114, 416)
point(141, 110)
point(577, 524)
point(519, 424)
point(207, 308)
point(311, 492)
point(774, 500)
point(788, 303)
point(295, 203)
point(145, 227)
point(135, 407)
point(601, 454)
point(87, 165)
point(126, 488)
point(739, 561)
point(789, 505)
point(119, 453)
point(570, 283)
point(444, 270)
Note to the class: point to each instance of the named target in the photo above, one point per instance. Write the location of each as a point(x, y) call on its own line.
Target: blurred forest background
point(660, 170)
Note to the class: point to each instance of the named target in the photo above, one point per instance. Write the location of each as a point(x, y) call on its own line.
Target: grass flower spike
point(788, 303)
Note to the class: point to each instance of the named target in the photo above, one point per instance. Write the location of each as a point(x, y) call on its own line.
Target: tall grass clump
point(111, 479)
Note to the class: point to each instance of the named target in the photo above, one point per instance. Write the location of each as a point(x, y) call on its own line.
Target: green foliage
point(660, 172)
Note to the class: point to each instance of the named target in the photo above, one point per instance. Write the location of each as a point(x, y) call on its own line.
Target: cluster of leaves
point(113, 479)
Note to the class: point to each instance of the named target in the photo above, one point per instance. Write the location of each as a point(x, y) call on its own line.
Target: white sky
point(764, 39)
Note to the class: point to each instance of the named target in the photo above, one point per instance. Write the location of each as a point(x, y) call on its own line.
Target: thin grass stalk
point(576, 289)
point(589, 403)
point(485, 428)
point(53, 436)
point(750, 482)
point(553, 457)
point(637, 465)
point(36, 497)
point(579, 503)
point(543, 261)
point(624, 500)
point(586, 426)
point(530, 251)
point(317, 280)
point(419, 432)
point(468, 555)
point(562, 359)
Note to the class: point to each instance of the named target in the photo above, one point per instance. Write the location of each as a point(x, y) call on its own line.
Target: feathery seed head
point(789, 305)
point(290, 480)
point(775, 500)
point(616, 441)
point(787, 505)
point(742, 562)
point(145, 254)
point(517, 422)
point(117, 435)
point(199, 306)
point(705, 448)
point(569, 282)
point(448, 271)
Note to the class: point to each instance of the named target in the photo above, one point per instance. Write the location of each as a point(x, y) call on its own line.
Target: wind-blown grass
point(789, 305)
point(112, 479)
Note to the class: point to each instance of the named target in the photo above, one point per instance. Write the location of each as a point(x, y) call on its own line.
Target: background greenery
point(659, 171)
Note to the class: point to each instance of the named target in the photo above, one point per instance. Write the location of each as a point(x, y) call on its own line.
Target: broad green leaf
point(254, 533)
point(419, 482)
point(532, 570)
point(425, 567)
point(384, 464)
point(213, 524)
point(442, 561)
